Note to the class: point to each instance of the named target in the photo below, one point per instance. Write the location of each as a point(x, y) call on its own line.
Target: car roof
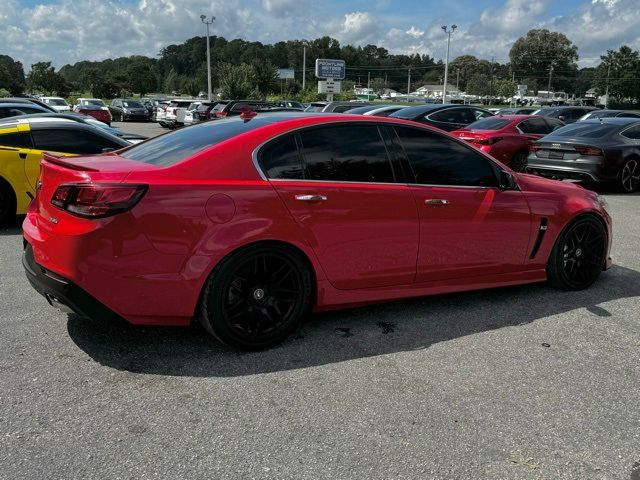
point(415, 110)
point(611, 120)
point(25, 104)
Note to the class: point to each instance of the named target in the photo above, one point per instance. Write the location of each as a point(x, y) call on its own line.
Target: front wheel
point(629, 177)
point(257, 297)
point(578, 256)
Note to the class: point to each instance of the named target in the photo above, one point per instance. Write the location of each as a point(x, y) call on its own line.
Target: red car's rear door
point(468, 226)
point(361, 223)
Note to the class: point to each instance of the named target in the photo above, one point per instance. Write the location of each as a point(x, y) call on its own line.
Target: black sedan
point(600, 150)
point(443, 116)
point(123, 109)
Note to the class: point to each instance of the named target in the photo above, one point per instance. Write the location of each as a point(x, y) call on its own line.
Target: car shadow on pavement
point(341, 336)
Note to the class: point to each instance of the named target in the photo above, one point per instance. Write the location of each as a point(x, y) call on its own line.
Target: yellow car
point(22, 144)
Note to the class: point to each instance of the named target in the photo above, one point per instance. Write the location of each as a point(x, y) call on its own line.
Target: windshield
point(584, 130)
point(133, 104)
point(601, 114)
point(57, 101)
point(491, 123)
point(93, 101)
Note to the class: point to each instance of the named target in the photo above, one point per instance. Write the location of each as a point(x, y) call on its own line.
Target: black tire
point(629, 176)
point(519, 162)
point(257, 297)
point(8, 203)
point(578, 256)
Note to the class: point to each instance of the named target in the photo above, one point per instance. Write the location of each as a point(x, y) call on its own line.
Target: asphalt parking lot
point(523, 382)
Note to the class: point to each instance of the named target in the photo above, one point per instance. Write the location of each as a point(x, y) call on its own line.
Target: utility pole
point(368, 82)
point(304, 66)
point(409, 86)
point(446, 64)
point(458, 80)
point(606, 92)
point(491, 84)
point(550, 75)
point(385, 81)
point(207, 23)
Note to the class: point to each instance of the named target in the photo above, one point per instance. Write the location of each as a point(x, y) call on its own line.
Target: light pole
point(304, 66)
point(446, 64)
point(207, 23)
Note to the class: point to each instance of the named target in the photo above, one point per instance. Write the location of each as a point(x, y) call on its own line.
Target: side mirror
point(506, 181)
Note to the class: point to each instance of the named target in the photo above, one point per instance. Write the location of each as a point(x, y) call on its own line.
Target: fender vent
point(541, 231)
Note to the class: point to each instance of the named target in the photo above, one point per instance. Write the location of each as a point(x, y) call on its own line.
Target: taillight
point(221, 114)
point(487, 141)
point(590, 151)
point(95, 200)
point(533, 148)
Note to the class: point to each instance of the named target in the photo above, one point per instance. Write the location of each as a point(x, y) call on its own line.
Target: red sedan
point(94, 107)
point(248, 224)
point(507, 137)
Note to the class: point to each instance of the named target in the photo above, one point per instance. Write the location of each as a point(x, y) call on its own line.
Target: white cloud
point(514, 15)
point(358, 27)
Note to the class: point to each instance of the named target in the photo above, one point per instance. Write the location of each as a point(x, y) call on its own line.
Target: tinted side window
point(281, 159)
point(553, 123)
point(534, 125)
point(633, 132)
point(629, 115)
point(19, 139)
point(452, 115)
point(478, 114)
point(438, 160)
point(351, 153)
point(14, 111)
point(71, 141)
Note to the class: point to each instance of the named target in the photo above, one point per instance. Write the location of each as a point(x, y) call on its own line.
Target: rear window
point(96, 102)
point(585, 130)
point(178, 103)
point(132, 104)
point(491, 123)
point(174, 147)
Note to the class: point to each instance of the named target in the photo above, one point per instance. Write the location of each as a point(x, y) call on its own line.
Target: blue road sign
point(328, 68)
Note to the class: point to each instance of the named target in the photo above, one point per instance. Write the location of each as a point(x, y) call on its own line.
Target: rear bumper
point(580, 169)
point(61, 292)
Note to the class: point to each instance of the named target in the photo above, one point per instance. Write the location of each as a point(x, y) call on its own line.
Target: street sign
point(285, 73)
point(522, 89)
point(328, 68)
point(329, 86)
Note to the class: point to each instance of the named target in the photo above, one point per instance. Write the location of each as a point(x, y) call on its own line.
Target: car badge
point(556, 145)
point(53, 220)
point(38, 185)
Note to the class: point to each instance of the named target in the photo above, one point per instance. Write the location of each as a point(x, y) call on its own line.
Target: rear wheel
point(578, 255)
point(629, 177)
point(519, 162)
point(257, 297)
point(8, 203)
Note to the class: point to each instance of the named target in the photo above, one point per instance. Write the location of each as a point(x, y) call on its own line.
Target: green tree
point(236, 81)
point(171, 82)
point(11, 75)
point(140, 76)
point(377, 84)
point(43, 77)
point(264, 77)
point(538, 51)
point(191, 86)
point(463, 68)
point(479, 84)
point(505, 88)
point(622, 69)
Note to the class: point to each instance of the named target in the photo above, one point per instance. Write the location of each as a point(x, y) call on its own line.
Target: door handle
point(22, 156)
point(311, 198)
point(436, 202)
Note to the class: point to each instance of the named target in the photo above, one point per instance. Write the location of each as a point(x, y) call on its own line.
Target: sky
point(67, 31)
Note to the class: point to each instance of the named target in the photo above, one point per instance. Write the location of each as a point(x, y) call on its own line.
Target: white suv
point(171, 113)
point(59, 104)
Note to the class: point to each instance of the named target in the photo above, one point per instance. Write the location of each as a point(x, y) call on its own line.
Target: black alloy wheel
point(8, 203)
point(630, 176)
point(578, 256)
point(519, 162)
point(257, 297)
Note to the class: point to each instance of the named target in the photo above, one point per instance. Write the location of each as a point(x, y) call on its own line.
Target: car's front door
point(468, 226)
point(349, 199)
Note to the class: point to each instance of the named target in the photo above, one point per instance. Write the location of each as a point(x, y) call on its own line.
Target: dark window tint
point(438, 160)
point(351, 153)
point(584, 130)
point(281, 159)
point(174, 147)
point(633, 132)
point(629, 115)
point(478, 114)
point(535, 126)
point(553, 123)
point(571, 113)
point(603, 114)
point(492, 123)
point(71, 141)
point(342, 108)
point(15, 111)
point(453, 115)
point(20, 139)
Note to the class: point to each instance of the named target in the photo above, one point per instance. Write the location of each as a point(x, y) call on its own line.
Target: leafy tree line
point(540, 59)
